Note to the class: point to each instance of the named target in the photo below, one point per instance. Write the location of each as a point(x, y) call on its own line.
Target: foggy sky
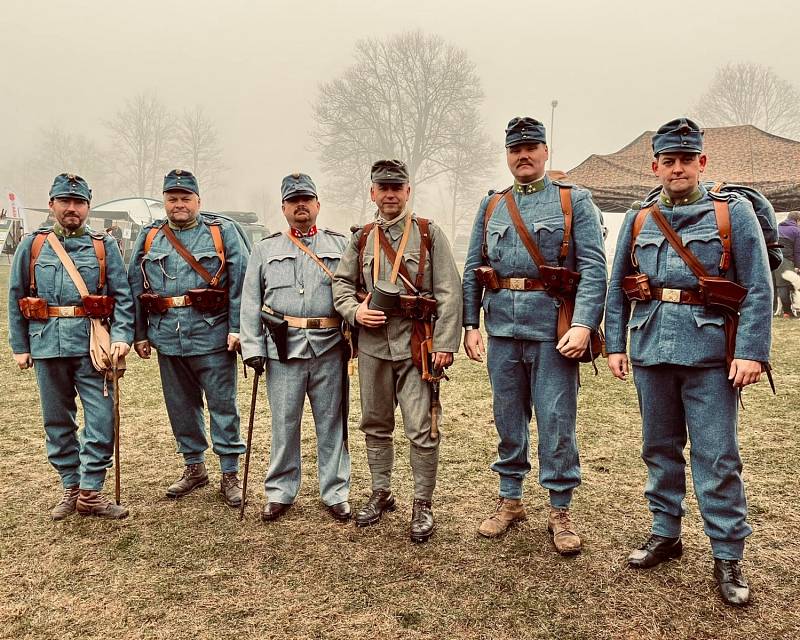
point(616, 68)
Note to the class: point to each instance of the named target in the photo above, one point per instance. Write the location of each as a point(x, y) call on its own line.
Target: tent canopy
point(741, 154)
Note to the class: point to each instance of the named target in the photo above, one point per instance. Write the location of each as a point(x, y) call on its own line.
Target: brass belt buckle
point(671, 295)
point(516, 284)
point(313, 323)
point(178, 301)
point(67, 312)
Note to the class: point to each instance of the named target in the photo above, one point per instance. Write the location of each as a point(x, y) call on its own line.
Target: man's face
point(390, 197)
point(301, 212)
point(679, 173)
point(70, 213)
point(182, 206)
point(526, 161)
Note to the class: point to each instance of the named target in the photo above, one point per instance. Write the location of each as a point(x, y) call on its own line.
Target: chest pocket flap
point(279, 270)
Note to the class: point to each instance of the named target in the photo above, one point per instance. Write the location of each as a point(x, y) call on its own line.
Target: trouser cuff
point(229, 463)
point(510, 488)
point(93, 481)
point(193, 458)
point(560, 499)
point(727, 549)
point(666, 525)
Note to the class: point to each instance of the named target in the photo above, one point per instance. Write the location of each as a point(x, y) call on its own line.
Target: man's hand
point(442, 359)
point(574, 342)
point(233, 342)
point(256, 363)
point(744, 372)
point(473, 345)
point(142, 349)
point(23, 360)
point(367, 317)
point(618, 363)
point(119, 350)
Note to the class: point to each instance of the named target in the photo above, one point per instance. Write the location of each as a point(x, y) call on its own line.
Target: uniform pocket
point(412, 264)
point(46, 273)
point(495, 235)
point(279, 272)
point(90, 274)
point(549, 235)
point(209, 260)
point(707, 246)
point(647, 250)
point(703, 317)
point(641, 315)
point(154, 266)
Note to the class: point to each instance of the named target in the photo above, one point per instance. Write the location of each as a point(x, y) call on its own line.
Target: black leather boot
point(422, 524)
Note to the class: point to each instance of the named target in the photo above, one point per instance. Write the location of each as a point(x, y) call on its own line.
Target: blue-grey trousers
point(185, 379)
point(288, 383)
point(525, 375)
point(81, 461)
point(674, 401)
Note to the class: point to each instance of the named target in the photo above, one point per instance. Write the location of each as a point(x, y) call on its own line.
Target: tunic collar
point(690, 199)
point(530, 187)
point(64, 233)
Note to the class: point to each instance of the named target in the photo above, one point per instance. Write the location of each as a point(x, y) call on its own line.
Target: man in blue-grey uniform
point(49, 330)
point(530, 366)
point(186, 276)
point(290, 329)
point(687, 372)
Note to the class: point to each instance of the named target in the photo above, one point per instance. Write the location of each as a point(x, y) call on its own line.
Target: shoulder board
point(331, 232)
point(722, 196)
point(273, 235)
point(209, 220)
point(98, 235)
point(155, 223)
point(561, 183)
point(42, 230)
point(491, 192)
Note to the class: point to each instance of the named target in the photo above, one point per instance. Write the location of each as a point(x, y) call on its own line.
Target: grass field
point(190, 569)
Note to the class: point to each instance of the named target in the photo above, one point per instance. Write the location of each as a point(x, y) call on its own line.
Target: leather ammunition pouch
point(153, 303)
point(637, 287)
point(597, 341)
point(208, 300)
point(487, 278)
point(98, 306)
point(421, 333)
point(721, 294)
point(33, 308)
point(417, 307)
point(559, 281)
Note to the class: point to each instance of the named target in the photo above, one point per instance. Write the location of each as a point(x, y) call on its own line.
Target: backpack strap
point(522, 230)
point(675, 240)
point(212, 281)
point(219, 246)
point(638, 223)
point(36, 248)
point(100, 252)
point(487, 215)
point(566, 209)
point(425, 246)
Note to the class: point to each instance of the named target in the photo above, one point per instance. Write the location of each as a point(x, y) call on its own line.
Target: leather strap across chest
point(310, 254)
point(36, 250)
point(395, 257)
point(219, 248)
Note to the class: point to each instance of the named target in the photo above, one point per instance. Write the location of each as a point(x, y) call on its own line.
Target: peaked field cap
point(389, 171)
point(68, 185)
point(297, 184)
point(524, 130)
point(181, 180)
point(680, 134)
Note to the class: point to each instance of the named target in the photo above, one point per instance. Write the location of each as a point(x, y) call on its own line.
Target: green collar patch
point(690, 199)
point(62, 232)
point(530, 187)
point(183, 227)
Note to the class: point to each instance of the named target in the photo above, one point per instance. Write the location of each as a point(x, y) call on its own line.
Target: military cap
point(680, 134)
point(524, 130)
point(297, 184)
point(68, 185)
point(389, 171)
point(181, 180)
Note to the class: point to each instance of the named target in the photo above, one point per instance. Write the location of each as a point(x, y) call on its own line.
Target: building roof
point(741, 154)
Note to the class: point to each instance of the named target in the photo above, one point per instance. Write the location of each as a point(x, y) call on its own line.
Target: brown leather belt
point(678, 296)
point(521, 284)
point(66, 312)
point(176, 301)
point(307, 323)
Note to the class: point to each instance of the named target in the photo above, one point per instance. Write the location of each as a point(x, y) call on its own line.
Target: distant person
point(531, 368)
point(789, 237)
point(687, 372)
point(115, 232)
point(187, 307)
point(49, 330)
point(288, 280)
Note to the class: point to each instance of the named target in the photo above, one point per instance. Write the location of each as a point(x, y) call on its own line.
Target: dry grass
point(190, 569)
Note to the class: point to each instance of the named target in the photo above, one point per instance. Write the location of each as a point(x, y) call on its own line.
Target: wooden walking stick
point(253, 399)
point(115, 376)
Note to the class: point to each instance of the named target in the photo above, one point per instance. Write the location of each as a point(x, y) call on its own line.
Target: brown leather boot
point(93, 503)
point(67, 505)
point(194, 476)
point(508, 511)
point(231, 489)
point(562, 529)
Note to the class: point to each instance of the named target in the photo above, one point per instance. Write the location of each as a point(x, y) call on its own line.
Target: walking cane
point(249, 442)
point(115, 375)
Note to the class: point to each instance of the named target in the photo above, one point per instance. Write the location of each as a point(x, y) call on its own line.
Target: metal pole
point(553, 106)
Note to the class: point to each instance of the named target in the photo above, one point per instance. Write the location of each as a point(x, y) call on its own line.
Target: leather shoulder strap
point(522, 230)
point(36, 249)
point(566, 208)
point(425, 247)
point(69, 265)
point(310, 254)
point(100, 252)
point(487, 215)
point(391, 256)
point(674, 239)
point(362, 246)
point(219, 246)
point(186, 255)
point(722, 212)
point(148, 239)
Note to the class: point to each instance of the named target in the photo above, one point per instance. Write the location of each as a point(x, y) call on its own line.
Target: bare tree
point(141, 133)
point(747, 93)
point(197, 148)
point(413, 97)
